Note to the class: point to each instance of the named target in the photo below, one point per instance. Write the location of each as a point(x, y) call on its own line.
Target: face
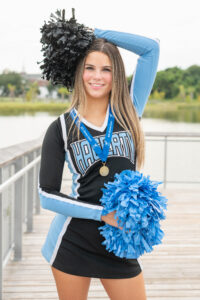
point(97, 75)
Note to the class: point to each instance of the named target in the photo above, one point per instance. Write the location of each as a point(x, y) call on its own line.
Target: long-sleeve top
point(58, 146)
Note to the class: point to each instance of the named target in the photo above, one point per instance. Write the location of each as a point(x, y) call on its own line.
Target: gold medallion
point(104, 170)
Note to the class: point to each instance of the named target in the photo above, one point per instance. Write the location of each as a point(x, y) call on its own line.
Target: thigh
point(71, 286)
point(127, 289)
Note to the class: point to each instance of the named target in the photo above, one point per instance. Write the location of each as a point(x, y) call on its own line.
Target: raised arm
point(50, 178)
point(145, 72)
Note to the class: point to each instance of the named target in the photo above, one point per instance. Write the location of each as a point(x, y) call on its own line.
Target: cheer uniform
point(74, 243)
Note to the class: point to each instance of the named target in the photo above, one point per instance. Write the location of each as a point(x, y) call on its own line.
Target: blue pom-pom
point(139, 208)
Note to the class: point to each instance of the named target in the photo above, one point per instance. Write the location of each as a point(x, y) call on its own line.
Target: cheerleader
point(98, 136)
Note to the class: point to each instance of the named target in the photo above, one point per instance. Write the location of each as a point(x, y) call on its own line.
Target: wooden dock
point(171, 271)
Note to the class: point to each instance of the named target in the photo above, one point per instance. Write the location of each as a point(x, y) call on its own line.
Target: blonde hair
point(121, 103)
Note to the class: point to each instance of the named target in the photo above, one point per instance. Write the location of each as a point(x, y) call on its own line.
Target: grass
point(173, 110)
point(171, 105)
point(16, 108)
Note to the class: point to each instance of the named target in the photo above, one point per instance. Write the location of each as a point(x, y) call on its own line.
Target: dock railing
point(185, 158)
point(19, 200)
point(19, 167)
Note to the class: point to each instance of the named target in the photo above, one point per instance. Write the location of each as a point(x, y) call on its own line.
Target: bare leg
point(71, 287)
point(126, 289)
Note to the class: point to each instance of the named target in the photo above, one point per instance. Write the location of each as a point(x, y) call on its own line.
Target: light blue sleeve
point(69, 206)
point(145, 72)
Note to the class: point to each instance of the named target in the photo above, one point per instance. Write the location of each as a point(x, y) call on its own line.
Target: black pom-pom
point(64, 43)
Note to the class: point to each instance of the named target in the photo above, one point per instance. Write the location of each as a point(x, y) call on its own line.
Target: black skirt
point(74, 246)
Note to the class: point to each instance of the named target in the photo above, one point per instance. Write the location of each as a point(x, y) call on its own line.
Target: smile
point(96, 85)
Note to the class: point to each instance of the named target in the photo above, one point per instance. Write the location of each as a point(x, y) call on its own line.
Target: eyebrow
point(103, 66)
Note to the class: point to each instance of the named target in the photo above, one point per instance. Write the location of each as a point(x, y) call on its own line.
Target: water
point(161, 125)
point(18, 129)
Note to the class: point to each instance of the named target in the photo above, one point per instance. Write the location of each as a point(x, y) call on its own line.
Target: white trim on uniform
point(66, 200)
point(59, 240)
point(64, 130)
point(69, 159)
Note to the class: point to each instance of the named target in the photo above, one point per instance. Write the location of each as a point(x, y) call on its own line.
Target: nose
point(97, 74)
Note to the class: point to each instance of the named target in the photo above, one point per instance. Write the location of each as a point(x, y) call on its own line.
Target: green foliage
point(157, 95)
point(12, 78)
point(17, 108)
point(168, 82)
point(177, 83)
point(32, 91)
point(63, 91)
point(11, 89)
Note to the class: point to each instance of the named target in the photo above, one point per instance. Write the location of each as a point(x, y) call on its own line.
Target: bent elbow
point(156, 46)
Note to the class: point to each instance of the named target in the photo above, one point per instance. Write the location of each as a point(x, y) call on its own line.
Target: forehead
point(97, 58)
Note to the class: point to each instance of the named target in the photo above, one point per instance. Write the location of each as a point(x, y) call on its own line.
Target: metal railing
point(19, 167)
point(19, 200)
point(174, 137)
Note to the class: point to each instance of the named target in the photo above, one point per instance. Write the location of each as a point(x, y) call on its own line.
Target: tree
point(63, 91)
point(11, 89)
point(191, 77)
point(166, 81)
point(190, 93)
point(157, 95)
point(32, 91)
point(12, 78)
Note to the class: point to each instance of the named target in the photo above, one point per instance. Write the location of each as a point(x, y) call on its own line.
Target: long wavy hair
point(121, 103)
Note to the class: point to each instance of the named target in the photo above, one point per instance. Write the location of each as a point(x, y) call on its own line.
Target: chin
point(97, 96)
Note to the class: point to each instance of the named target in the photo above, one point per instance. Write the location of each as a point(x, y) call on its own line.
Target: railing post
point(165, 163)
point(18, 223)
point(30, 195)
point(1, 241)
point(36, 170)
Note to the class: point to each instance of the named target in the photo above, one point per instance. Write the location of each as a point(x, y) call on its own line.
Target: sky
point(175, 22)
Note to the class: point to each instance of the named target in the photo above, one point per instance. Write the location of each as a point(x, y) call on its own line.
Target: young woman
point(102, 103)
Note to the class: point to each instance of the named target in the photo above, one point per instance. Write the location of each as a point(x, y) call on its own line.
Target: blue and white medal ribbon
point(102, 153)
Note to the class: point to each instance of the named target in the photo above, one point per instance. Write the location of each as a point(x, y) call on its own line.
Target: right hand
point(109, 219)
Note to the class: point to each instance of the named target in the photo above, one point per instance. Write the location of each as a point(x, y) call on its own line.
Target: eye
point(107, 70)
point(89, 68)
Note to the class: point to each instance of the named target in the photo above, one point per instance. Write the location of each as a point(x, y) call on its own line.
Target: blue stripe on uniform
point(75, 176)
point(57, 228)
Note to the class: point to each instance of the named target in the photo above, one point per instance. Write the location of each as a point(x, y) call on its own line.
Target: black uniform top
point(58, 147)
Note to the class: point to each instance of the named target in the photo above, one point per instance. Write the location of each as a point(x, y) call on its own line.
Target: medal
point(101, 153)
point(104, 170)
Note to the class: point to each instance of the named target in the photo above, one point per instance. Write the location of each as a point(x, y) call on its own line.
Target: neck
point(94, 107)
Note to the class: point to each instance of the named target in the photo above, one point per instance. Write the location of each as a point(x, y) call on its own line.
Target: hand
point(109, 219)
